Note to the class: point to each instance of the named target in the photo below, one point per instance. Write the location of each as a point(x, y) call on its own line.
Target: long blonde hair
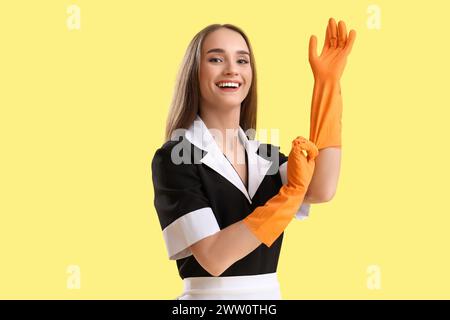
point(186, 97)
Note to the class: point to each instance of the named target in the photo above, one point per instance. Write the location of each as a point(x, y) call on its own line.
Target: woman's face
point(224, 58)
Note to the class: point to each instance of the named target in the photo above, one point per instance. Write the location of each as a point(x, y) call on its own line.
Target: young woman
point(224, 199)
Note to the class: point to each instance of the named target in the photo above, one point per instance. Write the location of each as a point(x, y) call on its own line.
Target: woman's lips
point(229, 89)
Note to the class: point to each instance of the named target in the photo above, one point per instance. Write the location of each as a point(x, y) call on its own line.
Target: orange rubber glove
point(268, 222)
point(326, 115)
point(326, 105)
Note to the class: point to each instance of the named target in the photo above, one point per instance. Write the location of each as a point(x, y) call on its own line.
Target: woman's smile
point(229, 86)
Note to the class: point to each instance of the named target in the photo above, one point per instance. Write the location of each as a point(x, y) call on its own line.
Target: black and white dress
point(203, 194)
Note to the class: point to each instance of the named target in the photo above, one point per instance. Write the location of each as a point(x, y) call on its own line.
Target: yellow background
point(83, 111)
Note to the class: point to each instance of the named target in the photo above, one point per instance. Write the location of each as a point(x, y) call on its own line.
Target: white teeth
point(228, 84)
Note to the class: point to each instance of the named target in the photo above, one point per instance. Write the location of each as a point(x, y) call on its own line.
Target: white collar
point(199, 135)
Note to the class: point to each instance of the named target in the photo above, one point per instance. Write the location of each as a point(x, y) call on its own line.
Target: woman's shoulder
point(167, 147)
point(173, 152)
point(162, 154)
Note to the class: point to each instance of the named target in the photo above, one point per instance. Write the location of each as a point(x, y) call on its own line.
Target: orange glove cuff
point(268, 222)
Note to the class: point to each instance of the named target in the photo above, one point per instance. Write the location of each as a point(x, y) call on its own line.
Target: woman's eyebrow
point(219, 50)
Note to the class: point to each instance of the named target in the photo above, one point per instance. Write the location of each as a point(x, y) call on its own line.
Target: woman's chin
point(230, 100)
point(228, 105)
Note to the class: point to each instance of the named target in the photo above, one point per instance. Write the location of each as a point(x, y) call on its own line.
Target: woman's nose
point(231, 68)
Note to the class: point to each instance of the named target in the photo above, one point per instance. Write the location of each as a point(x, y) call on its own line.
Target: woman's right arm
point(218, 252)
point(265, 224)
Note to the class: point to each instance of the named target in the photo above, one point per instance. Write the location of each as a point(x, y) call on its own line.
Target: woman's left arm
point(326, 108)
point(326, 175)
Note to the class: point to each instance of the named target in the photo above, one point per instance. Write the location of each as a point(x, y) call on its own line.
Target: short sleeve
point(303, 212)
point(183, 209)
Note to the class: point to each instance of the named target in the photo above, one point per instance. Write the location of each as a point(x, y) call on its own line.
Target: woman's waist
point(240, 283)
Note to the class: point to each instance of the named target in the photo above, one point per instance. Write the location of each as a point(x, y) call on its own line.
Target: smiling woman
point(223, 217)
point(217, 58)
point(212, 49)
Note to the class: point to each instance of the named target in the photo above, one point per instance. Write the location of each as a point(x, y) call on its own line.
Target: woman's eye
point(240, 61)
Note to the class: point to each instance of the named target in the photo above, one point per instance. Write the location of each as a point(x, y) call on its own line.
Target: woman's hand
point(268, 222)
point(337, 46)
point(300, 167)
